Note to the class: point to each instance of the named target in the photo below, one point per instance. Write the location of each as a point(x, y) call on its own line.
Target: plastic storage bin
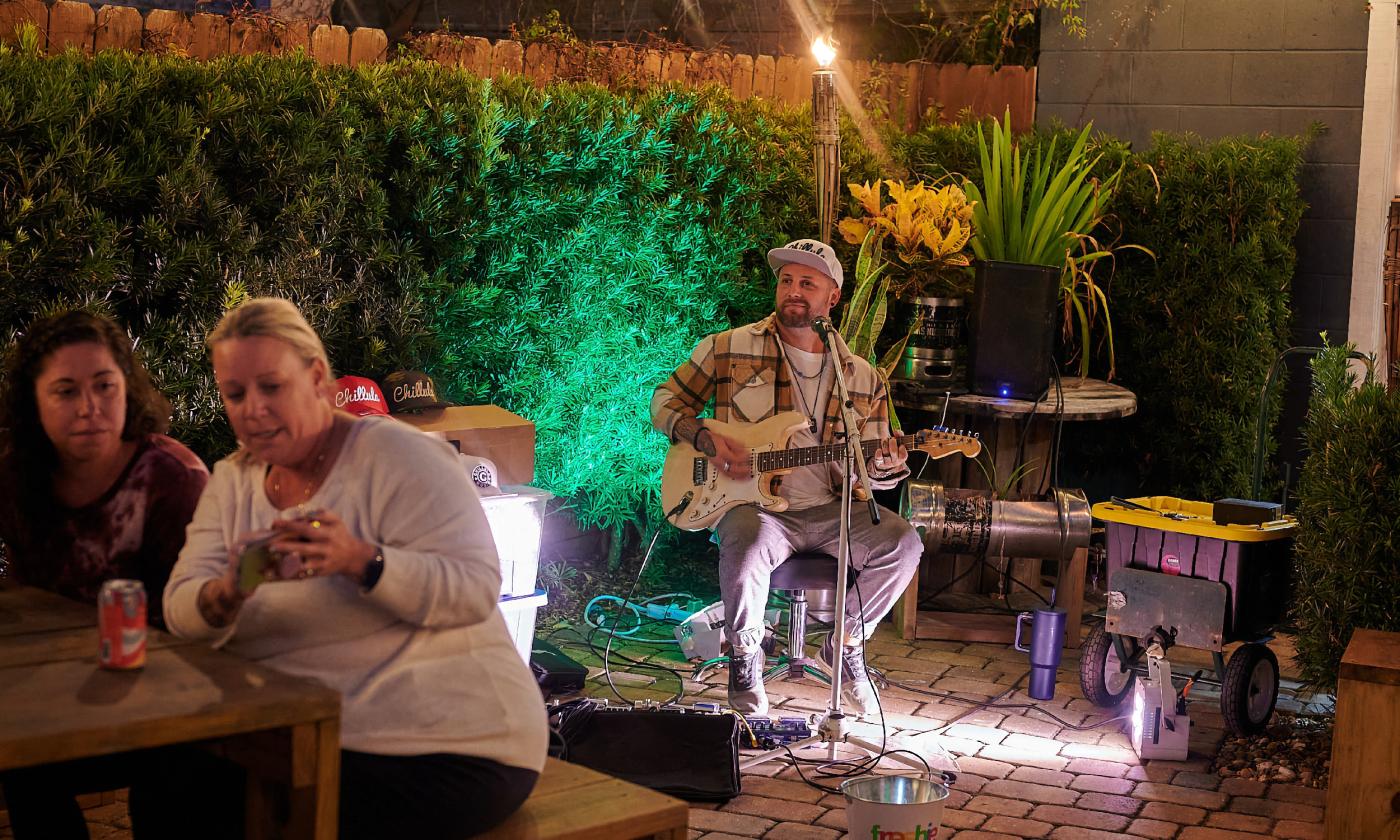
point(1252, 561)
point(519, 612)
point(516, 517)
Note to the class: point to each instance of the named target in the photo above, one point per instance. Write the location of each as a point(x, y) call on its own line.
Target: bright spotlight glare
point(823, 51)
point(516, 527)
point(1138, 709)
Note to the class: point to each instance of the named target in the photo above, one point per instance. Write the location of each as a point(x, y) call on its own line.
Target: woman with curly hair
point(90, 489)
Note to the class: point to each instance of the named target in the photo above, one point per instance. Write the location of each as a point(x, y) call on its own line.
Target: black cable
point(1053, 473)
point(1025, 433)
point(1023, 585)
point(981, 563)
point(636, 663)
point(587, 643)
point(607, 651)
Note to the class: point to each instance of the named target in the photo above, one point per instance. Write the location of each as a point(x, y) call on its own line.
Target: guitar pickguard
point(718, 493)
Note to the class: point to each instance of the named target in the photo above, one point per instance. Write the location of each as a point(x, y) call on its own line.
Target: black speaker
point(1011, 329)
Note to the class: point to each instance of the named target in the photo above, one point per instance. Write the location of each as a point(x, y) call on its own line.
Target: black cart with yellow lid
point(1177, 577)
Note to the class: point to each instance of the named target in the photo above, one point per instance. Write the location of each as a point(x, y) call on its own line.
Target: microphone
point(823, 327)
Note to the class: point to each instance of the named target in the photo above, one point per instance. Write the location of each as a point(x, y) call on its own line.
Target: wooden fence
point(902, 92)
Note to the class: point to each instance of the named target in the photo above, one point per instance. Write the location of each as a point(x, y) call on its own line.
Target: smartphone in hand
point(259, 563)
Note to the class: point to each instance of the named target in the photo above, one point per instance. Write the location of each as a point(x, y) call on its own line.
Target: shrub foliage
point(555, 252)
point(1347, 555)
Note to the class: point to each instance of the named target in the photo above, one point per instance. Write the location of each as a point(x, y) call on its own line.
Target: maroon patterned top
point(134, 530)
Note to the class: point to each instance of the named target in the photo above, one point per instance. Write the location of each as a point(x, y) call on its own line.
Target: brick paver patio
point(1021, 775)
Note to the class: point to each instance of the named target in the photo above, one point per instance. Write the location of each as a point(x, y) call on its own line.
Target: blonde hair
point(276, 318)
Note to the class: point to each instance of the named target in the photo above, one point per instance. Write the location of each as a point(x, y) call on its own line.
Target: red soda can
point(121, 625)
point(1171, 564)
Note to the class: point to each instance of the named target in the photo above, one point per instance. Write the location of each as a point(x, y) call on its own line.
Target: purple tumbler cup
point(1047, 641)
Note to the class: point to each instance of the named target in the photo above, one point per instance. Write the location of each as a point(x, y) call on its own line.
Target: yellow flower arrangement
point(930, 225)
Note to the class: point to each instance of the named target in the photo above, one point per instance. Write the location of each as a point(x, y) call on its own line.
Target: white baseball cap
point(808, 252)
point(483, 473)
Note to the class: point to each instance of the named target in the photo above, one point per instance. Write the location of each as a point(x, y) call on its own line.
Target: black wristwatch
point(373, 569)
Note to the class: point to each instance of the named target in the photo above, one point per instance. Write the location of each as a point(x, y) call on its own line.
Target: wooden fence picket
point(902, 92)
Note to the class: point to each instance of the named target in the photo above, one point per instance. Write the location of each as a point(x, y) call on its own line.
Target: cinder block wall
point(1224, 67)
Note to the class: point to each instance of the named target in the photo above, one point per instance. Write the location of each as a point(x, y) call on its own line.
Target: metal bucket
point(894, 807)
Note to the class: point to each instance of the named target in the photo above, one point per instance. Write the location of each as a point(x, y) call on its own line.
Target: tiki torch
point(826, 149)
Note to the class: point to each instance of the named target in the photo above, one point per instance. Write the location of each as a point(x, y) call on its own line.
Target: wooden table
point(57, 705)
point(1002, 423)
point(576, 803)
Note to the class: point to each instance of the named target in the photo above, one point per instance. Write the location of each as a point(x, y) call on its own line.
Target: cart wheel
point(1100, 672)
point(1250, 689)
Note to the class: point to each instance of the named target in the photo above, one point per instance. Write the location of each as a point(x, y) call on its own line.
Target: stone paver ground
point(1020, 773)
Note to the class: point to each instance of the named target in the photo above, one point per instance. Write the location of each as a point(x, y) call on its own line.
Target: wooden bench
point(575, 803)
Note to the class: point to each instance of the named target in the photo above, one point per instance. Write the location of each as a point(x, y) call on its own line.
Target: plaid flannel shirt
point(744, 373)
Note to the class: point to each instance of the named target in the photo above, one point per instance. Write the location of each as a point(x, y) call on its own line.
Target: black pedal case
point(690, 755)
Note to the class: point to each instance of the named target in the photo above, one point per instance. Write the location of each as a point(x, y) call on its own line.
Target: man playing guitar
point(753, 372)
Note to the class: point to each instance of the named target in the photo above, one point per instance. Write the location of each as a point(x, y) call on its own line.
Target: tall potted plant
point(1035, 216)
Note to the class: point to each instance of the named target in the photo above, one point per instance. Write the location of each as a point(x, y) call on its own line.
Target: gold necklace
point(314, 482)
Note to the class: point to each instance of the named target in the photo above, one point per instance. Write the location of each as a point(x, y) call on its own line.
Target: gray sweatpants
point(753, 542)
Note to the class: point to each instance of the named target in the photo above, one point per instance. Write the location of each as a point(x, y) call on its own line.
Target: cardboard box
point(486, 431)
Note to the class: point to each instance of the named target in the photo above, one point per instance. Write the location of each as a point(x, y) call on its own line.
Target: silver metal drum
point(971, 522)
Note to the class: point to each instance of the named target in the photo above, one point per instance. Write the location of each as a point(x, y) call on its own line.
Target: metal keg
point(971, 522)
point(935, 368)
point(938, 323)
point(935, 355)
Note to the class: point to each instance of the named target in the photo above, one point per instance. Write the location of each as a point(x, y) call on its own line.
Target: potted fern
point(1035, 216)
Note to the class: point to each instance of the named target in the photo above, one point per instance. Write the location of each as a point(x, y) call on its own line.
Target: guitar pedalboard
point(784, 730)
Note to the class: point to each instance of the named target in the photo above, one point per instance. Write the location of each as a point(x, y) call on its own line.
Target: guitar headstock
point(941, 442)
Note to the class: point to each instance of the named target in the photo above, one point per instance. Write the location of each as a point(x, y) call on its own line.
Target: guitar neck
point(785, 459)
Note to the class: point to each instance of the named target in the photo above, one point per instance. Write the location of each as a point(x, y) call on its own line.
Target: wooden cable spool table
point(1003, 424)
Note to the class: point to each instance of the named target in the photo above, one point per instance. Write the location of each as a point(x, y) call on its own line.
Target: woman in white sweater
point(443, 731)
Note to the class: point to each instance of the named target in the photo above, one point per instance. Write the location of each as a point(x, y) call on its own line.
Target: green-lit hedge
point(1197, 327)
point(554, 252)
point(1348, 549)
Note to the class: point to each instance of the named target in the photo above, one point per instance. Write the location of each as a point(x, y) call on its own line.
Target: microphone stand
point(833, 728)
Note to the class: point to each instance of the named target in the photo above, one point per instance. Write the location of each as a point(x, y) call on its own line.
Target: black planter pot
point(1011, 329)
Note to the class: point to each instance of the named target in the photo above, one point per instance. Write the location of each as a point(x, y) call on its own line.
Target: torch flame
point(823, 51)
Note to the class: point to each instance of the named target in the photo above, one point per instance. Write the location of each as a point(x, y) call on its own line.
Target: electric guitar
point(708, 494)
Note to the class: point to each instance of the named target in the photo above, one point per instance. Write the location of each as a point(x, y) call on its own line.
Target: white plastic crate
point(516, 517)
point(519, 612)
